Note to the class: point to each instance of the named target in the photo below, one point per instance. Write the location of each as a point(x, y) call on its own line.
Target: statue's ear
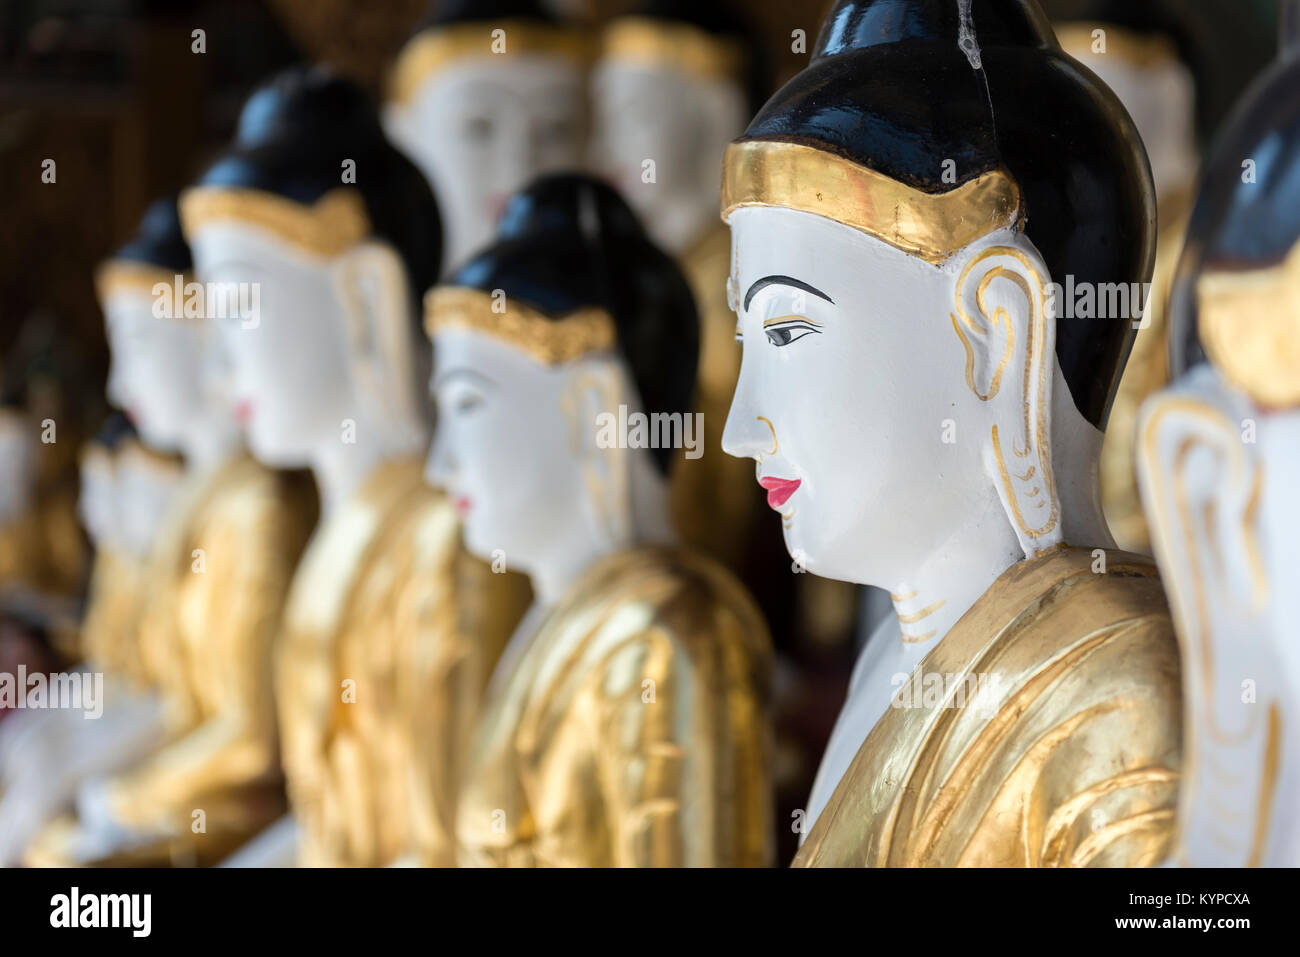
point(371, 283)
point(1201, 489)
point(593, 391)
point(1002, 316)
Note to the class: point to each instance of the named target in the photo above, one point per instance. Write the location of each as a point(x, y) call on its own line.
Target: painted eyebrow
point(461, 373)
point(784, 281)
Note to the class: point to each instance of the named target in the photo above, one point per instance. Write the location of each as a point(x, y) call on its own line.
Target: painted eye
point(784, 335)
point(479, 129)
point(466, 404)
point(460, 402)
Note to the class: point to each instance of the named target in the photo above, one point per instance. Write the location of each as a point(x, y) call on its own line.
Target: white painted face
point(156, 372)
point(483, 128)
point(857, 401)
point(316, 355)
point(515, 448)
point(659, 134)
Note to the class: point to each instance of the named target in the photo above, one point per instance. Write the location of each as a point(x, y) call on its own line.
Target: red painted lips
point(779, 490)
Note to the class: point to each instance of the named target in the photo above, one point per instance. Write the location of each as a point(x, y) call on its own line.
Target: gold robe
point(1070, 758)
point(217, 580)
point(385, 652)
point(632, 729)
point(113, 607)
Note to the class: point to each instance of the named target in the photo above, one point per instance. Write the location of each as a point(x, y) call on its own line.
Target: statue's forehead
point(247, 246)
point(774, 240)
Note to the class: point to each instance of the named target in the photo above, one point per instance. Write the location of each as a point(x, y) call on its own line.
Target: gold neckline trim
point(1249, 324)
point(435, 48)
point(550, 341)
point(654, 42)
point(334, 223)
point(812, 180)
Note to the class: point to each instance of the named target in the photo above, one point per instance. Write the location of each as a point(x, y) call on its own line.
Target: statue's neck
point(930, 598)
point(646, 520)
point(341, 468)
point(555, 575)
point(207, 445)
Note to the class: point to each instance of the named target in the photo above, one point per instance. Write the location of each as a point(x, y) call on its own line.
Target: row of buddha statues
point(373, 586)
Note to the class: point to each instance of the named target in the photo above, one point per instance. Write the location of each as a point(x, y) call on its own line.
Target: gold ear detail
point(1034, 438)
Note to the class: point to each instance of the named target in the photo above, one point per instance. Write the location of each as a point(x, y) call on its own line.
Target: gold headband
point(811, 180)
point(652, 41)
point(1249, 324)
point(128, 275)
point(550, 341)
point(1137, 48)
point(434, 48)
point(334, 223)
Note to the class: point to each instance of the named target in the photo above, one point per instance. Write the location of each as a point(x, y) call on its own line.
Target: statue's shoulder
point(1083, 726)
point(1045, 730)
point(674, 605)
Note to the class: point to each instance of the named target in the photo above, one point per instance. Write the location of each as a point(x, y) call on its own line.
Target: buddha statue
point(378, 662)
point(45, 755)
point(675, 82)
point(927, 419)
point(485, 96)
point(217, 566)
point(1219, 462)
point(1149, 55)
point(626, 723)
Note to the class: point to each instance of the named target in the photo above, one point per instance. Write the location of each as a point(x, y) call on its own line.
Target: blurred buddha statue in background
point(379, 662)
point(216, 570)
point(923, 422)
point(627, 722)
point(1147, 53)
point(46, 754)
point(485, 96)
point(1219, 462)
point(675, 82)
